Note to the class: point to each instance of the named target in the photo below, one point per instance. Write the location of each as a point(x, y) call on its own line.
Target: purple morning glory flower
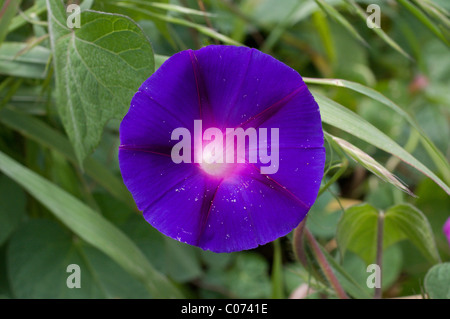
point(446, 230)
point(222, 148)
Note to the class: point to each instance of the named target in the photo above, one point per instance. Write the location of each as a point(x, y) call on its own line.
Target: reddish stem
point(324, 265)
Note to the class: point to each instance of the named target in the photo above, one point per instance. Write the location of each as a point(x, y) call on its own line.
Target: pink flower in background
point(447, 230)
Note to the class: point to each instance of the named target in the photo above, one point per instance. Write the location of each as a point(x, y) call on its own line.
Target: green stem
point(343, 167)
point(379, 258)
point(277, 275)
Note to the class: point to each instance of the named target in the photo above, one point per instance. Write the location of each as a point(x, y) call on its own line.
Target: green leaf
point(5, 290)
point(8, 9)
point(322, 218)
point(346, 280)
point(31, 64)
point(277, 271)
point(159, 60)
point(248, 277)
point(91, 227)
point(40, 132)
point(167, 18)
point(37, 260)
point(178, 261)
point(339, 18)
point(369, 163)
point(378, 31)
point(390, 270)
point(437, 281)
point(427, 22)
point(12, 207)
point(337, 115)
point(35, 10)
point(411, 224)
point(438, 158)
point(277, 31)
point(434, 10)
point(357, 231)
point(173, 8)
point(182, 262)
point(98, 68)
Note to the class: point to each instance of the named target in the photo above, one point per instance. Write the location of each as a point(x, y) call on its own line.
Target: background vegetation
point(384, 97)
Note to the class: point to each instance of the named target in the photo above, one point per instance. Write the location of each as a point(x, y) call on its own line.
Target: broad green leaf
point(337, 115)
point(98, 69)
point(437, 157)
point(12, 207)
point(178, 261)
point(8, 9)
point(369, 163)
point(91, 227)
point(213, 260)
point(40, 132)
point(357, 231)
point(437, 281)
point(435, 204)
point(37, 260)
point(181, 261)
point(31, 64)
point(322, 218)
point(248, 277)
point(411, 224)
point(390, 270)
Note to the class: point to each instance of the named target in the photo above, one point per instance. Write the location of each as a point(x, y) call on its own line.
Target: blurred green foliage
point(62, 200)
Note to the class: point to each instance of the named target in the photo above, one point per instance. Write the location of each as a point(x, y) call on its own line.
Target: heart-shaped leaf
point(98, 68)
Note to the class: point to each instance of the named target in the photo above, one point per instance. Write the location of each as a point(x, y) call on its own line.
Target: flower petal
point(241, 82)
point(250, 210)
point(226, 87)
point(149, 175)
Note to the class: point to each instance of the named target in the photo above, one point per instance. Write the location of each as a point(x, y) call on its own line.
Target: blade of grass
point(339, 18)
point(38, 8)
point(323, 29)
point(369, 163)
point(361, 13)
point(276, 33)
point(427, 22)
point(91, 227)
point(40, 132)
point(200, 28)
point(339, 116)
point(434, 10)
point(173, 8)
point(8, 9)
point(438, 158)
